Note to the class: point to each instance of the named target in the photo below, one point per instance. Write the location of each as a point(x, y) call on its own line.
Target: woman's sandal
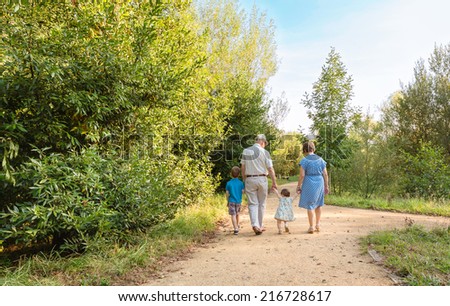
point(311, 230)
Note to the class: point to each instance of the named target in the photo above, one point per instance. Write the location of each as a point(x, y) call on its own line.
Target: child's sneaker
point(236, 232)
point(286, 229)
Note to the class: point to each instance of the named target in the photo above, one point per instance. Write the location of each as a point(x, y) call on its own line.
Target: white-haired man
point(256, 164)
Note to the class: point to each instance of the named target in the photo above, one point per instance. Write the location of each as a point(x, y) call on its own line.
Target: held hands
point(274, 188)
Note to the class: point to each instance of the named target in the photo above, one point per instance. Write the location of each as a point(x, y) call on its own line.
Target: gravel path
point(332, 257)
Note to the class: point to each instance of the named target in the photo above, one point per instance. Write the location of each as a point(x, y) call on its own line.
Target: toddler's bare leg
point(279, 226)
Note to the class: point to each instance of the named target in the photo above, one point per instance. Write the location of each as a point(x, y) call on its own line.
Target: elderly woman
point(312, 184)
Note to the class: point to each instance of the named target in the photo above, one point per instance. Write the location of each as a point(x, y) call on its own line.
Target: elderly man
point(256, 164)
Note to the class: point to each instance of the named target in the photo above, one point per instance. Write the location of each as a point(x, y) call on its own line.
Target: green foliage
point(107, 262)
point(70, 198)
point(426, 173)
point(328, 103)
point(419, 256)
point(370, 169)
point(62, 198)
point(74, 76)
point(407, 154)
point(287, 156)
point(420, 111)
point(240, 45)
point(434, 207)
point(60, 74)
point(129, 100)
point(241, 57)
point(283, 181)
point(249, 118)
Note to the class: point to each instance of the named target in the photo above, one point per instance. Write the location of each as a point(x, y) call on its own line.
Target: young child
point(235, 189)
point(284, 212)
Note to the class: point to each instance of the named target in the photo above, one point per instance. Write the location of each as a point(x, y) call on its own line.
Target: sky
point(380, 42)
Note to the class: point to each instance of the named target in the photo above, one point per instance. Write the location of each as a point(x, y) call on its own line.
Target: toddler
point(284, 212)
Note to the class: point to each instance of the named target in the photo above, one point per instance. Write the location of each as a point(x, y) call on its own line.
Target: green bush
point(69, 198)
point(63, 198)
point(427, 174)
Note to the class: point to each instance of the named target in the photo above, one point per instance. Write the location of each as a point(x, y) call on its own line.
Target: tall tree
point(417, 120)
point(329, 108)
point(239, 44)
point(420, 111)
point(241, 59)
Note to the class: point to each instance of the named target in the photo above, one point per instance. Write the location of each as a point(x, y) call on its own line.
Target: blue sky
point(379, 41)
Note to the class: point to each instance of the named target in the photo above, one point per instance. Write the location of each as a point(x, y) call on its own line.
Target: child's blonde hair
point(235, 171)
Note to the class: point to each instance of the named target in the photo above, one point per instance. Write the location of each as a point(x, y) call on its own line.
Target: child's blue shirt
point(234, 188)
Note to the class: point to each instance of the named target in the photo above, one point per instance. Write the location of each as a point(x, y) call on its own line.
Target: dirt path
point(331, 257)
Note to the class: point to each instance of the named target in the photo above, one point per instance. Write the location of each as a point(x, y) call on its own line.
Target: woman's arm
point(301, 176)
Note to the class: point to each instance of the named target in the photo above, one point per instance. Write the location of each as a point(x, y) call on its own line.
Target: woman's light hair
point(309, 147)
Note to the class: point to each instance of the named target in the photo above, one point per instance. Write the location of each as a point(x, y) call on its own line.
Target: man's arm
point(273, 177)
point(244, 176)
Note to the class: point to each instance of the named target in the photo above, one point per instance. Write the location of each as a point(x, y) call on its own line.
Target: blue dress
point(313, 191)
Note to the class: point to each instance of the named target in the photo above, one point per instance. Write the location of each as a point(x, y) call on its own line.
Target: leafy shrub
point(69, 198)
point(427, 174)
point(64, 198)
point(142, 194)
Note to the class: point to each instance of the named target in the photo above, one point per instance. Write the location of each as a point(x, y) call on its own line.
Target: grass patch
point(413, 205)
point(282, 181)
point(108, 263)
point(420, 257)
